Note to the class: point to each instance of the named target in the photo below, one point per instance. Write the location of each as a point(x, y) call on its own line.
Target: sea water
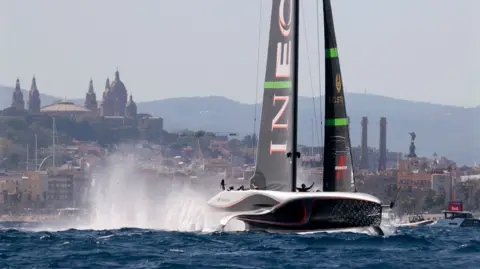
point(23, 246)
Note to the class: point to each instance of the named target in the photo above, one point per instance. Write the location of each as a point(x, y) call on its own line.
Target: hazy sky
point(425, 50)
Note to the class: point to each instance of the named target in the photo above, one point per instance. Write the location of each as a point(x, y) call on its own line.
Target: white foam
point(122, 197)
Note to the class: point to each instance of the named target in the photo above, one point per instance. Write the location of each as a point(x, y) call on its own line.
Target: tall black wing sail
point(274, 170)
point(337, 161)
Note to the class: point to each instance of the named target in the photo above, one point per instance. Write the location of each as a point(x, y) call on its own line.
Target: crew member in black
point(241, 188)
point(304, 188)
point(222, 184)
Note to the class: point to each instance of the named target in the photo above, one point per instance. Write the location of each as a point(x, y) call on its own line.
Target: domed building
point(114, 98)
point(131, 108)
point(66, 109)
point(117, 110)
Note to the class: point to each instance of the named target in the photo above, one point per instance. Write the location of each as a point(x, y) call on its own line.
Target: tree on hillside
point(429, 200)
point(199, 134)
point(441, 198)
point(169, 138)
point(4, 148)
point(476, 197)
point(250, 141)
point(44, 136)
point(234, 144)
point(210, 134)
point(14, 159)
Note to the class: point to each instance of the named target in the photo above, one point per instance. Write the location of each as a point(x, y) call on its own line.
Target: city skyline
point(205, 53)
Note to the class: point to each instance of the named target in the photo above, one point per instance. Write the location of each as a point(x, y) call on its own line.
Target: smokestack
point(364, 158)
point(382, 165)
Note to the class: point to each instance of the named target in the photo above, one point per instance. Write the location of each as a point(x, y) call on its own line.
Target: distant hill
point(447, 130)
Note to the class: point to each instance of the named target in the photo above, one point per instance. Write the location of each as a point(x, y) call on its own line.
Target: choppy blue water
point(136, 248)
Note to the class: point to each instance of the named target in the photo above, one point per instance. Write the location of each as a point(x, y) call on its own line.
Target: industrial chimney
point(364, 158)
point(382, 165)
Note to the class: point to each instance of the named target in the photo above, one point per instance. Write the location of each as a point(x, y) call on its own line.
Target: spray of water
point(123, 196)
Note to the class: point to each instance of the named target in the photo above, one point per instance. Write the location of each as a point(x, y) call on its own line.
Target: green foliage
point(235, 144)
point(435, 202)
point(429, 200)
point(441, 198)
point(250, 141)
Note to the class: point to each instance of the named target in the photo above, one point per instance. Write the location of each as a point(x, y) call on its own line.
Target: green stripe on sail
point(331, 53)
point(337, 122)
point(278, 84)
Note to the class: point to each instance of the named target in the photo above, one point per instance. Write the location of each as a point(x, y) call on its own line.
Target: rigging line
point(310, 71)
point(254, 138)
point(319, 77)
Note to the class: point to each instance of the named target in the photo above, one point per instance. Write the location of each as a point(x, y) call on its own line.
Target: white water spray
point(124, 197)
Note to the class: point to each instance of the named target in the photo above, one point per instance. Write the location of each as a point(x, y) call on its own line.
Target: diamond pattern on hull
point(358, 212)
point(319, 214)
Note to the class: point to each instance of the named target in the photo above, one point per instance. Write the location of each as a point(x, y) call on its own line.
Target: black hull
point(312, 214)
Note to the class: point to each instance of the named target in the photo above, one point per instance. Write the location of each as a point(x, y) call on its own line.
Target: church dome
point(114, 98)
point(117, 85)
point(131, 103)
point(131, 108)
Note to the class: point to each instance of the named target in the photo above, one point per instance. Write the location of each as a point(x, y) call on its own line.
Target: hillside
point(447, 130)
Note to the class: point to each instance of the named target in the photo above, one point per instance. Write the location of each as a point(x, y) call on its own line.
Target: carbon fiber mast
point(337, 157)
point(276, 165)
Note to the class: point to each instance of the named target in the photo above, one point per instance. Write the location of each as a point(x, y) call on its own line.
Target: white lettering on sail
point(283, 69)
point(276, 125)
point(284, 50)
point(283, 65)
point(285, 25)
point(277, 148)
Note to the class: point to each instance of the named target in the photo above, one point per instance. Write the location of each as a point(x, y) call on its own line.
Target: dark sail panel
point(274, 170)
point(337, 162)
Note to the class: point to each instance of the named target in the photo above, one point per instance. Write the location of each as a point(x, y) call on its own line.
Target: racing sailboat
point(272, 203)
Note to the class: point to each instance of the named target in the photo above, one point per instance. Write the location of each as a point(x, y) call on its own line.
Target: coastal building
point(470, 178)
point(20, 190)
point(59, 188)
point(412, 174)
point(60, 192)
